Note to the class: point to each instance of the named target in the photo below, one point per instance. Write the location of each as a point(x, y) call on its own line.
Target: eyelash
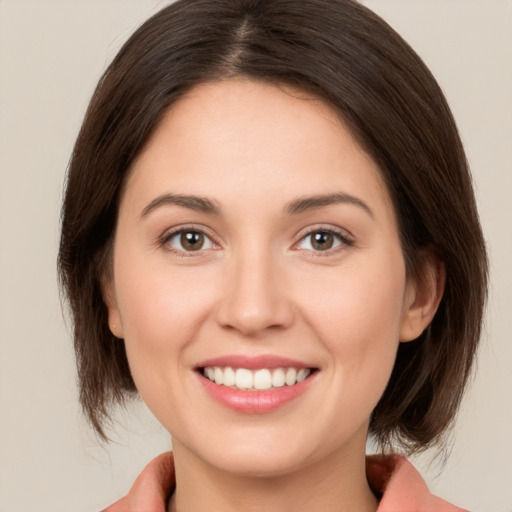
point(167, 237)
point(343, 239)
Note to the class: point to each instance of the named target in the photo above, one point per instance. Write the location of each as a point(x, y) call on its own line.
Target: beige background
point(51, 55)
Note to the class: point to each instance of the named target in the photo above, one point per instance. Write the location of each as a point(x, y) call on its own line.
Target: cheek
point(357, 315)
point(155, 298)
point(160, 310)
point(356, 299)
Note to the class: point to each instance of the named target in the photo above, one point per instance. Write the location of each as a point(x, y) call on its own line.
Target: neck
point(334, 484)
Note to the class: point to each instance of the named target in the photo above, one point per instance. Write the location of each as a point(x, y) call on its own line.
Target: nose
point(254, 299)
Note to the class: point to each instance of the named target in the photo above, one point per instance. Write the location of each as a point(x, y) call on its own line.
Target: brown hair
point(348, 56)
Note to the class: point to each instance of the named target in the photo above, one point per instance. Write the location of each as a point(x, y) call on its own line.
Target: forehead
point(238, 136)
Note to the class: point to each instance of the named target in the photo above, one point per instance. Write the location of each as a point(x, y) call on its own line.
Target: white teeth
point(302, 374)
point(218, 375)
point(243, 379)
point(209, 372)
point(291, 376)
point(229, 377)
point(278, 378)
point(262, 379)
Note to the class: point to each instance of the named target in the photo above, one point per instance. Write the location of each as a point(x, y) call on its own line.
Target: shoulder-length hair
point(343, 53)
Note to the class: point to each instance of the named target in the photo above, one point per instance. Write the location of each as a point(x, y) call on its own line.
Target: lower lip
point(255, 402)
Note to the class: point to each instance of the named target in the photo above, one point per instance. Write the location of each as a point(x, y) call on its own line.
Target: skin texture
point(259, 287)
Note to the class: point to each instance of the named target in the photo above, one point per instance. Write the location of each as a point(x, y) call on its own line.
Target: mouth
point(261, 379)
point(255, 385)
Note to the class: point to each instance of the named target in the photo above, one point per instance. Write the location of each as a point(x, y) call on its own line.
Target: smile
point(255, 385)
point(255, 380)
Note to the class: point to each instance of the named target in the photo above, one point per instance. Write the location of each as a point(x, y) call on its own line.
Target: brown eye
point(188, 240)
point(322, 240)
point(192, 240)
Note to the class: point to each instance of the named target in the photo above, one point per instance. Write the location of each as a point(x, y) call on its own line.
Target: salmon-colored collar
point(402, 487)
point(393, 477)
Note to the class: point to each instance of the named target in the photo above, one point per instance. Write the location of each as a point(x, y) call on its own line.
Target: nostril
point(254, 301)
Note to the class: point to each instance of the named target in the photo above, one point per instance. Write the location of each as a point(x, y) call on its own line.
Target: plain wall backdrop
point(52, 53)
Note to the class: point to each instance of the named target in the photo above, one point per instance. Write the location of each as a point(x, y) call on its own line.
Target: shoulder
point(402, 487)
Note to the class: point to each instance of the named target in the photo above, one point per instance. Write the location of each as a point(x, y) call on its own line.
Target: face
point(259, 282)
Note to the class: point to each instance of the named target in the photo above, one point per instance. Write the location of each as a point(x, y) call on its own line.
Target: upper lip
point(253, 362)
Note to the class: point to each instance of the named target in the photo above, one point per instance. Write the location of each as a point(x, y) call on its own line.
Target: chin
point(258, 454)
point(260, 463)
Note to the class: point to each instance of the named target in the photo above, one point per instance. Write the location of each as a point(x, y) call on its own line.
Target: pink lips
point(250, 401)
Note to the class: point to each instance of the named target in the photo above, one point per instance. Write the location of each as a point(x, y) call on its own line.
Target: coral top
point(401, 486)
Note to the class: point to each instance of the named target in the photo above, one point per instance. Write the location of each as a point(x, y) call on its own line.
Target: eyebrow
point(295, 207)
point(318, 201)
point(197, 203)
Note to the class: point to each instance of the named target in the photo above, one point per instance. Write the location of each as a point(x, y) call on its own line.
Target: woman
point(269, 233)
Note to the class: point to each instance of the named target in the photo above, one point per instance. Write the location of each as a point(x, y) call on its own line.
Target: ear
point(114, 316)
point(422, 297)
